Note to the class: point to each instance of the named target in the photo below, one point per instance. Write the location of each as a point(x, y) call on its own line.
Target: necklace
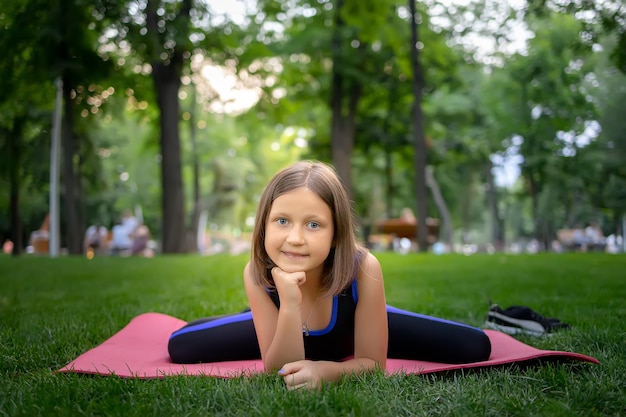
point(305, 323)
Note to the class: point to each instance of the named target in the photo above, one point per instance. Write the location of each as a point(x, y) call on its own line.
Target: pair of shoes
point(521, 319)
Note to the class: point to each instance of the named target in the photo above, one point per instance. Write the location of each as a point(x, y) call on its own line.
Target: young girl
point(317, 299)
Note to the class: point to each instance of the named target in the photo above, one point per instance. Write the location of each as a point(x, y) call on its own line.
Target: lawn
point(52, 310)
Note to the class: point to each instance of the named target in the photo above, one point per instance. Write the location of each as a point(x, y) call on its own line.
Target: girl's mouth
point(294, 255)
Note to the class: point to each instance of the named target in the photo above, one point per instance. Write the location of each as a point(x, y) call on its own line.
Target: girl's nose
point(295, 236)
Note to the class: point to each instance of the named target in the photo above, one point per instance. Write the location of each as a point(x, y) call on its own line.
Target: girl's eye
point(314, 225)
point(282, 222)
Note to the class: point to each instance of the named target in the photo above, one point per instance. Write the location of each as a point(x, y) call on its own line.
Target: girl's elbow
point(381, 363)
point(378, 362)
point(369, 364)
point(271, 366)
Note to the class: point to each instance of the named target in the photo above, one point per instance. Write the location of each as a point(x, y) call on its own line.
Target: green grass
point(52, 310)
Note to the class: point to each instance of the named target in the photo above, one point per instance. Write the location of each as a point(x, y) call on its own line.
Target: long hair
point(342, 263)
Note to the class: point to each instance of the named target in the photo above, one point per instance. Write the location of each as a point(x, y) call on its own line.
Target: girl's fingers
point(295, 387)
point(289, 376)
point(295, 278)
point(294, 383)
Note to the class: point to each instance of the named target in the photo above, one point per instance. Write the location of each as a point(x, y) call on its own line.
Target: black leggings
point(411, 336)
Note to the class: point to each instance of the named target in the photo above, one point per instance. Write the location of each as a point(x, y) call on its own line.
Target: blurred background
point(498, 124)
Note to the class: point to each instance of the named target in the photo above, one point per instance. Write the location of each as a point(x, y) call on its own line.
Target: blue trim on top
point(391, 309)
point(235, 318)
point(333, 320)
point(355, 292)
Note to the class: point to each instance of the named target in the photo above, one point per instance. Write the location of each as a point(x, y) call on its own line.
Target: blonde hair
point(343, 261)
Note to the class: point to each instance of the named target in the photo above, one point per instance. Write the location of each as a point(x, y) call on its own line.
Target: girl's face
point(299, 231)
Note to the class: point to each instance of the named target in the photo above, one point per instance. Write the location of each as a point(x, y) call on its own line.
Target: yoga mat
point(139, 350)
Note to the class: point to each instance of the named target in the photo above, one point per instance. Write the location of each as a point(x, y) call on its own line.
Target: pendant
point(305, 329)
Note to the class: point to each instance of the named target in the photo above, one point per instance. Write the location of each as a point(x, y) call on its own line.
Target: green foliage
point(475, 111)
point(599, 18)
point(48, 318)
point(126, 153)
point(542, 97)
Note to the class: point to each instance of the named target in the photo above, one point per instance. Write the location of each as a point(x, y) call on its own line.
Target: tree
point(57, 39)
point(159, 34)
point(545, 101)
point(604, 172)
point(165, 35)
point(418, 131)
point(167, 52)
point(598, 18)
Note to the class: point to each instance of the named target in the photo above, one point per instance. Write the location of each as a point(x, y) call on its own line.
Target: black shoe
point(521, 319)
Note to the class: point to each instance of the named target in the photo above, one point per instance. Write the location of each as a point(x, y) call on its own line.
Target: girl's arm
point(370, 336)
point(279, 332)
point(371, 327)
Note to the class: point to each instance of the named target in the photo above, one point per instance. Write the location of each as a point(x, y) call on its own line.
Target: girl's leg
point(420, 337)
point(215, 339)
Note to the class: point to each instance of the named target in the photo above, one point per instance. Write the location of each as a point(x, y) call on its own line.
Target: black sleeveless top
point(336, 341)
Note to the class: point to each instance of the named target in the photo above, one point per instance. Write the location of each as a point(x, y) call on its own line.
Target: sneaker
point(520, 319)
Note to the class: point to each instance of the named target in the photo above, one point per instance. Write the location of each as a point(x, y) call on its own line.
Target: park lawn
point(52, 310)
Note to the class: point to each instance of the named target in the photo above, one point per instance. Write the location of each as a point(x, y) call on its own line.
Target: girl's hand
point(288, 284)
point(301, 374)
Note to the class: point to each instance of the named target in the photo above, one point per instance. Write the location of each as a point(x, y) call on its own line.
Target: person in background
point(594, 238)
point(121, 239)
point(7, 246)
point(130, 222)
point(140, 242)
point(95, 241)
point(407, 215)
point(40, 239)
point(123, 234)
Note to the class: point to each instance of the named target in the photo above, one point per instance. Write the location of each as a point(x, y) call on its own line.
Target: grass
point(52, 310)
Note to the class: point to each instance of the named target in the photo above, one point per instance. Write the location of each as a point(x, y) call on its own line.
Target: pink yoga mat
point(139, 350)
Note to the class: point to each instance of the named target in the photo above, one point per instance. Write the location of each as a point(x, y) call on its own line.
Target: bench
point(568, 238)
point(576, 239)
point(402, 228)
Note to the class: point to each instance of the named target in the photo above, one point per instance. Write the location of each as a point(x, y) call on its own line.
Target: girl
point(317, 299)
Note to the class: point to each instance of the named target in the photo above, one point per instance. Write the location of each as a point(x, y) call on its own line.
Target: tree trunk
point(446, 219)
point(15, 162)
point(389, 185)
point(166, 78)
point(534, 198)
point(466, 204)
point(342, 138)
point(497, 228)
point(419, 143)
point(197, 204)
point(387, 145)
point(71, 182)
point(166, 83)
point(345, 96)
